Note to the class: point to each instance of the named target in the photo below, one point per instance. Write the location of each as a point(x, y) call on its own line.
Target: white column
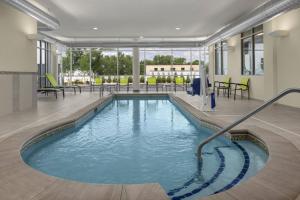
point(90, 66)
point(136, 70)
point(118, 77)
point(202, 74)
point(71, 67)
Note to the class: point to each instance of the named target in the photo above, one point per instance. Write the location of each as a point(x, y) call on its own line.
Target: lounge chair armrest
point(240, 84)
point(220, 82)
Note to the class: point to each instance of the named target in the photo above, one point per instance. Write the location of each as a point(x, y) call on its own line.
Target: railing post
point(245, 117)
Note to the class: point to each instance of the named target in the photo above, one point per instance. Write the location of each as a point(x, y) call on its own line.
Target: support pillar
point(136, 70)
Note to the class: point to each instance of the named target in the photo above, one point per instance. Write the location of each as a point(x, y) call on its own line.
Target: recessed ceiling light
point(141, 37)
point(177, 28)
point(95, 28)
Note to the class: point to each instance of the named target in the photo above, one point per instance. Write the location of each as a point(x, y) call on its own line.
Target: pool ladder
point(245, 117)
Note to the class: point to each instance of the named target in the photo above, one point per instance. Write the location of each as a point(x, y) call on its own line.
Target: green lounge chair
point(98, 82)
point(179, 81)
point(242, 86)
point(151, 81)
point(46, 91)
point(224, 85)
point(54, 83)
point(124, 82)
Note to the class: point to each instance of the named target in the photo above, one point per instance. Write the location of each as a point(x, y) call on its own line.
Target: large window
point(253, 51)
point(221, 58)
point(110, 63)
point(43, 62)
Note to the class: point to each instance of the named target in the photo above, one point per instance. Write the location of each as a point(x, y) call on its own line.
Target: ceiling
point(147, 18)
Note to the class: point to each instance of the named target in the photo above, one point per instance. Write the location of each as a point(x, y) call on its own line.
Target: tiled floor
point(283, 120)
point(47, 109)
point(21, 182)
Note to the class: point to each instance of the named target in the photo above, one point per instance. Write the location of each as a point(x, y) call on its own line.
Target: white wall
point(234, 69)
point(281, 56)
point(284, 55)
point(17, 52)
point(18, 67)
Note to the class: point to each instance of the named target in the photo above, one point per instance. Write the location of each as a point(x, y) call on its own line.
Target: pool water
point(146, 140)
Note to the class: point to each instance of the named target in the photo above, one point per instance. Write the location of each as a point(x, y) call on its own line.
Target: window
point(173, 69)
point(221, 58)
point(155, 69)
point(253, 51)
point(162, 69)
point(43, 62)
point(182, 68)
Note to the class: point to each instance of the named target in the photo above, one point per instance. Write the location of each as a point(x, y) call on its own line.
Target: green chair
point(151, 81)
point(46, 91)
point(224, 85)
point(98, 82)
point(243, 86)
point(179, 81)
point(54, 83)
point(124, 82)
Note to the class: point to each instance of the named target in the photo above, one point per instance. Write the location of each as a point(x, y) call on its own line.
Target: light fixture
point(141, 37)
point(95, 28)
point(279, 33)
point(178, 28)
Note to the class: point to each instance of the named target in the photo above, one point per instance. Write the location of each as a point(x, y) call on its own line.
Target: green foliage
point(195, 62)
point(115, 80)
point(84, 62)
point(169, 80)
point(102, 64)
point(130, 79)
point(109, 79)
point(188, 80)
point(163, 79)
point(162, 60)
point(158, 79)
point(142, 79)
point(179, 61)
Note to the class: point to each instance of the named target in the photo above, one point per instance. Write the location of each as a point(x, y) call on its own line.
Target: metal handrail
point(245, 117)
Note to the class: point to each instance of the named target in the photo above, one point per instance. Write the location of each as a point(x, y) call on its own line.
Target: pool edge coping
point(270, 139)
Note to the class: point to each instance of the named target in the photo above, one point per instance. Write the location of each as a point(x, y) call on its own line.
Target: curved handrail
point(245, 117)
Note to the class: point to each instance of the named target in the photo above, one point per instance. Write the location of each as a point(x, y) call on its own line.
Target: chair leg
point(234, 93)
point(55, 94)
point(228, 92)
point(248, 94)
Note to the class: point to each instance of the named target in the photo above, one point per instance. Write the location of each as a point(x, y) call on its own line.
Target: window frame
point(219, 48)
point(44, 49)
point(252, 33)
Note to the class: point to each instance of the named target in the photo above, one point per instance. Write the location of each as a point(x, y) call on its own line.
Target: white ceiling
point(148, 18)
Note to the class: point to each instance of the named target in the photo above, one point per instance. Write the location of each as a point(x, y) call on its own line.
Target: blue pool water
point(146, 140)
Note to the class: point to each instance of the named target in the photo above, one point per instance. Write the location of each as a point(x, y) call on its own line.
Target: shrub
point(169, 80)
point(109, 79)
point(142, 79)
point(188, 80)
point(130, 79)
point(115, 80)
point(158, 80)
point(163, 79)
